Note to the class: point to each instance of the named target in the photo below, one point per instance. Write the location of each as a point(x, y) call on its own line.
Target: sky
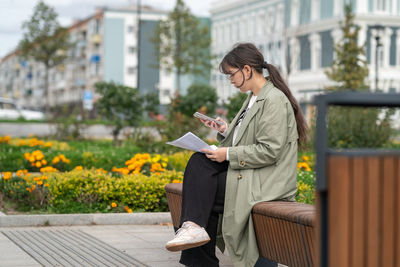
point(14, 12)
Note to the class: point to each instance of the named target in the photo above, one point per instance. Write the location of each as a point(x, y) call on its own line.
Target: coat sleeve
point(271, 137)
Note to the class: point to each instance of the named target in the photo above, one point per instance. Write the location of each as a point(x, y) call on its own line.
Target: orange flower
point(114, 205)
point(7, 175)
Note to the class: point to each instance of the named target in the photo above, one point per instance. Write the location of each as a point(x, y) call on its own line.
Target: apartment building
point(106, 50)
point(298, 36)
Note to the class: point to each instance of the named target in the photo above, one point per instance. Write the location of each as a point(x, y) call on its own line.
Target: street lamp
point(378, 30)
point(138, 10)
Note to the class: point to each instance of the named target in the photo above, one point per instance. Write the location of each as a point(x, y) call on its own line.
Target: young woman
point(256, 161)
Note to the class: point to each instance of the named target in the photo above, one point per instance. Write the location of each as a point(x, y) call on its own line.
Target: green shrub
point(350, 127)
point(88, 191)
point(305, 187)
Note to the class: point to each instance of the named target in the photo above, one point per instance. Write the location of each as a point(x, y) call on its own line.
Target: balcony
point(96, 38)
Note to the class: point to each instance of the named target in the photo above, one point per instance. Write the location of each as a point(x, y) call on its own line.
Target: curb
point(85, 219)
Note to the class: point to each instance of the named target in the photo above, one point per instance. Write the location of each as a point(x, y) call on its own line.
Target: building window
point(97, 69)
point(131, 70)
point(97, 26)
point(131, 49)
point(381, 5)
point(131, 29)
point(166, 92)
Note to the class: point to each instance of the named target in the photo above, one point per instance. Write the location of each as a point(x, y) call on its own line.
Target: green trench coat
point(262, 167)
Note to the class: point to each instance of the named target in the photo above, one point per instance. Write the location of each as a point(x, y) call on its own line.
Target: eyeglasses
point(230, 76)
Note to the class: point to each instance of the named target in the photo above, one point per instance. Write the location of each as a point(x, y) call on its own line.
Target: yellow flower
point(48, 144)
point(40, 182)
point(305, 158)
point(46, 185)
point(44, 162)
point(303, 166)
point(114, 205)
point(39, 156)
point(55, 160)
point(33, 187)
point(175, 181)
point(7, 175)
point(48, 169)
point(101, 170)
point(22, 143)
point(145, 156)
point(5, 139)
point(78, 168)
point(129, 211)
point(38, 164)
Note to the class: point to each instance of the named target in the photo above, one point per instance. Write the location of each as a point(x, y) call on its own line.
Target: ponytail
point(279, 83)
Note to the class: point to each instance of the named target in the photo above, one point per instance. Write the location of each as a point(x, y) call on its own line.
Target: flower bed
point(46, 177)
point(81, 191)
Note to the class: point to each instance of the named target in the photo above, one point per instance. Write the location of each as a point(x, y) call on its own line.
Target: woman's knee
point(197, 157)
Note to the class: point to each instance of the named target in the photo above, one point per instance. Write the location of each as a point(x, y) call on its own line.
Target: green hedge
point(89, 191)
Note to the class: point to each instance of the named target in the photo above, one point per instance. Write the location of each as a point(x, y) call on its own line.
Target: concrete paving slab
point(12, 255)
point(144, 243)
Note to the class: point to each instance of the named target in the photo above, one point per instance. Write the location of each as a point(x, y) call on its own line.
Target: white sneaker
point(190, 235)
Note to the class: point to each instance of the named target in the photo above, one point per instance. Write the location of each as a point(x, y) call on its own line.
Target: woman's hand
point(213, 125)
point(218, 155)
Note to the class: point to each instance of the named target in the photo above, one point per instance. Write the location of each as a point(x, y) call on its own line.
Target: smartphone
point(204, 117)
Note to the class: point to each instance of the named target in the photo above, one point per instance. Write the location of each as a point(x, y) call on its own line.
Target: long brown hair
point(247, 54)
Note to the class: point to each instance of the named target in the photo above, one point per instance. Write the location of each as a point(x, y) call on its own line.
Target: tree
point(351, 127)
point(182, 44)
point(45, 41)
point(180, 120)
point(234, 104)
point(151, 103)
point(199, 97)
point(349, 69)
point(121, 105)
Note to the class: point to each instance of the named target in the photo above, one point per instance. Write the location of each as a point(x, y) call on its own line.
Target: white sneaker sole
point(183, 246)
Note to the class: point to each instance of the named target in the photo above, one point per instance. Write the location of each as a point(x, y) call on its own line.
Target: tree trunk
point(178, 80)
point(46, 90)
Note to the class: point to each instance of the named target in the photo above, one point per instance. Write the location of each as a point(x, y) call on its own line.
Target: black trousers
point(204, 183)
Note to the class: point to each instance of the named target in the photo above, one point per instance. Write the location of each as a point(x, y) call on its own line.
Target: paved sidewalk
point(142, 244)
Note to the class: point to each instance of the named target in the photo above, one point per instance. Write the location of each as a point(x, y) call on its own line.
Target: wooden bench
point(284, 230)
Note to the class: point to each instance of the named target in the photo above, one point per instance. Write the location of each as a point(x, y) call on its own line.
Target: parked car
point(9, 110)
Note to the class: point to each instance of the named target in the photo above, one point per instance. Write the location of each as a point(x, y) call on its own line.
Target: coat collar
point(265, 90)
